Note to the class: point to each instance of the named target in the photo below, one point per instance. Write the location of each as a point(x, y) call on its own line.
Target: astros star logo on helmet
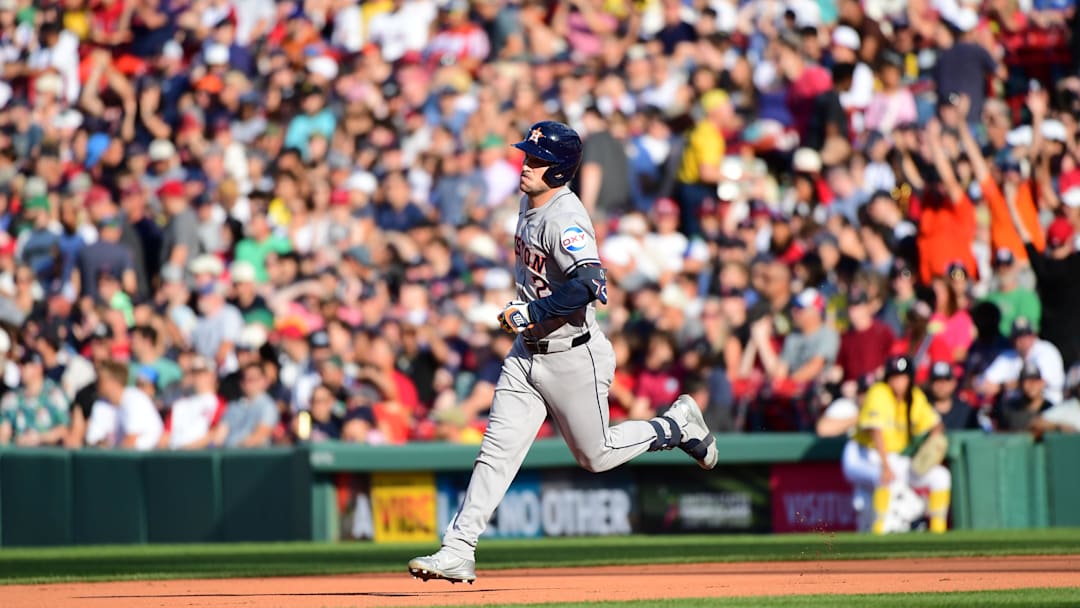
point(535, 135)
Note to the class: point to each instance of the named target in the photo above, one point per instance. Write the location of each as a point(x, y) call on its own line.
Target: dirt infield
point(565, 584)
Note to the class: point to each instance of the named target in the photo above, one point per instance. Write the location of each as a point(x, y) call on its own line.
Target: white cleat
point(696, 439)
point(443, 565)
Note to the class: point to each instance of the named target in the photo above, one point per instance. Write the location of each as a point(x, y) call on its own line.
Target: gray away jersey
point(551, 243)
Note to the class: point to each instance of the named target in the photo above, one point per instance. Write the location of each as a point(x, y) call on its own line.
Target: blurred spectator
point(248, 421)
point(1004, 372)
point(1022, 411)
point(35, 414)
point(1011, 299)
point(865, 346)
point(956, 413)
point(191, 418)
point(123, 416)
point(603, 180)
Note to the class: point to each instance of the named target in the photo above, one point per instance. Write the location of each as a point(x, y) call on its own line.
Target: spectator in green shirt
point(260, 242)
point(1011, 299)
point(145, 352)
point(36, 413)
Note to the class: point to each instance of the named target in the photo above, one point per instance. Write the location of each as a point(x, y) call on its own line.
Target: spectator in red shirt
point(657, 384)
point(864, 347)
point(807, 81)
point(919, 344)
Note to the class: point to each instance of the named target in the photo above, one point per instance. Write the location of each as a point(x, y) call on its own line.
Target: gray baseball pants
point(573, 386)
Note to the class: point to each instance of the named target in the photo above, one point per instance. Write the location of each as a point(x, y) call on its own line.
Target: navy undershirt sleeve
point(570, 297)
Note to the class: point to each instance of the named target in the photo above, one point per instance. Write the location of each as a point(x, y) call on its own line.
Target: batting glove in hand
point(514, 317)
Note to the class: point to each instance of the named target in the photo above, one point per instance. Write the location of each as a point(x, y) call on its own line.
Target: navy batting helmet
point(556, 144)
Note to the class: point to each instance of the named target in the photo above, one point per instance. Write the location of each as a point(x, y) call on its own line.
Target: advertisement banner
point(553, 503)
point(403, 507)
point(811, 497)
point(518, 515)
point(727, 499)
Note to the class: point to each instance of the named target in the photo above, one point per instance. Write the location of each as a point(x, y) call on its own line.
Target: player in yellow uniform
point(893, 413)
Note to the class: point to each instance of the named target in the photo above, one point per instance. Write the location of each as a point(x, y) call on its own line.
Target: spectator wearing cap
point(312, 376)
point(865, 346)
point(245, 296)
point(808, 351)
point(964, 66)
point(261, 241)
point(218, 327)
point(190, 418)
point(699, 172)
point(105, 255)
point(100, 206)
point(1055, 271)
point(894, 311)
point(1004, 371)
point(845, 48)
point(35, 413)
point(38, 245)
point(164, 165)
point(1022, 411)
point(1010, 298)
point(603, 182)
point(180, 238)
point(147, 351)
point(123, 416)
point(249, 421)
point(956, 413)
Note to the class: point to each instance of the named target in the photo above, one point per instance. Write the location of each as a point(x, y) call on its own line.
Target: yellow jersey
point(704, 146)
point(881, 409)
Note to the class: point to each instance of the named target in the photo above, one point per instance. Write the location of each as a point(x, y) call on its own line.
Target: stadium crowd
point(243, 222)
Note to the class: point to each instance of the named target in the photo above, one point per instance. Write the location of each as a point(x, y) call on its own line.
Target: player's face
point(532, 176)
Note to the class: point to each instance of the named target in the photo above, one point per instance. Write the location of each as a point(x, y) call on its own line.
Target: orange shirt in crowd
point(1002, 231)
point(946, 232)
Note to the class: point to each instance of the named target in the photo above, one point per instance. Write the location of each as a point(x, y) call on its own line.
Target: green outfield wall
point(764, 483)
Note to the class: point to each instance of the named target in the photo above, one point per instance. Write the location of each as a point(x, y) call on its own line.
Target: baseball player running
point(560, 362)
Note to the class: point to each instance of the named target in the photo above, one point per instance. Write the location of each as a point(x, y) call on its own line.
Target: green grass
point(138, 562)
point(1041, 598)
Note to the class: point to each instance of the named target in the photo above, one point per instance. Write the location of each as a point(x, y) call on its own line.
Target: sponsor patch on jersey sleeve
point(574, 239)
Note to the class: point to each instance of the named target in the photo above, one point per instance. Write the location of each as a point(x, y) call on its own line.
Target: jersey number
point(539, 286)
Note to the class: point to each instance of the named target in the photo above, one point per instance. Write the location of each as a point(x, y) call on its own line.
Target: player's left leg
point(575, 386)
point(939, 481)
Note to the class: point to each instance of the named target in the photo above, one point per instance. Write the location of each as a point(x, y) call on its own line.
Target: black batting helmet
point(556, 144)
point(899, 365)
